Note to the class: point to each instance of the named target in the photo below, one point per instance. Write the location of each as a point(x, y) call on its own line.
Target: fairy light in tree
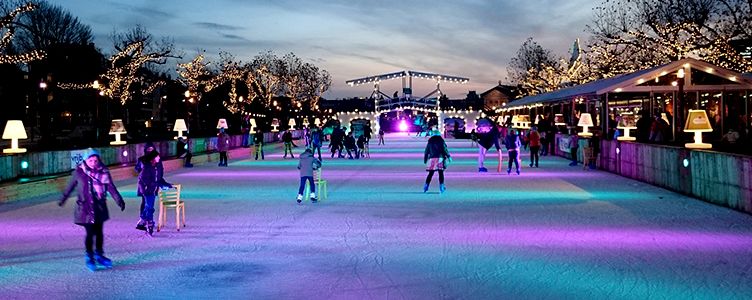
point(124, 65)
point(194, 74)
point(6, 26)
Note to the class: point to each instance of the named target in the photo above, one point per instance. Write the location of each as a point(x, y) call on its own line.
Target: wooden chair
point(171, 199)
point(588, 157)
point(321, 186)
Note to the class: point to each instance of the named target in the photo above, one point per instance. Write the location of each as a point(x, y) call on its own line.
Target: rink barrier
point(51, 170)
point(720, 178)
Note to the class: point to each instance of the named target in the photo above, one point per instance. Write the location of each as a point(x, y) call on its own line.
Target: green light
point(686, 163)
point(24, 164)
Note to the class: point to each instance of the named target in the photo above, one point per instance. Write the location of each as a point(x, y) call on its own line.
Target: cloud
point(217, 26)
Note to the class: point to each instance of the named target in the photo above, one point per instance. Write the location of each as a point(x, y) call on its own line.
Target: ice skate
point(150, 229)
point(300, 198)
point(102, 260)
point(482, 170)
point(140, 225)
point(89, 259)
point(425, 187)
point(313, 198)
point(442, 188)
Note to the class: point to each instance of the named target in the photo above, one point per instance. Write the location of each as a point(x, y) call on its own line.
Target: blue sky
point(351, 39)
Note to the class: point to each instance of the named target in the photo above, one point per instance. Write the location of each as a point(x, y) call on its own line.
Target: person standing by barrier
point(574, 144)
point(534, 139)
point(513, 145)
point(94, 182)
point(436, 158)
point(150, 179)
point(381, 136)
point(223, 144)
point(258, 142)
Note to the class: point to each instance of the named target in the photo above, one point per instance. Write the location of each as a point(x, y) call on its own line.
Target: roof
point(629, 83)
point(508, 90)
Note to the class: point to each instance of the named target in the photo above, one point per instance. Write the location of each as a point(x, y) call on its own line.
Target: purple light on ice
point(403, 126)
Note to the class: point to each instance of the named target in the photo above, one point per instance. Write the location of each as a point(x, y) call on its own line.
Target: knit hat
point(146, 147)
point(150, 156)
point(91, 152)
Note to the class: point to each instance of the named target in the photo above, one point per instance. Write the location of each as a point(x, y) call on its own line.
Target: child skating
point(307, 165)
point(93, 181)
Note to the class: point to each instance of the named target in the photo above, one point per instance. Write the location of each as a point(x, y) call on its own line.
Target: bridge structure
point(430, 103)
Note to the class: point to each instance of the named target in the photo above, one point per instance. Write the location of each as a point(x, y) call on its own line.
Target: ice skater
point(512, 142)
point(223, 144)
point(381, 137)
point(287, 139)
point(258, 143)
point(150, 180)
point(487, 137)
point(307, 165)
point(436, 158)
point(148, 148)
point(94, 182)
point(534, 139)
point(316, 141)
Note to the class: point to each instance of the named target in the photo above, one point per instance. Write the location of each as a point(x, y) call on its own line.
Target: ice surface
point(553, 232)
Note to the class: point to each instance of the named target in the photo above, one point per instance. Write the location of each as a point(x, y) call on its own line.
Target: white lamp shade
point(117, 126)
point(222, 123)
point(697, 121)
point(317, 121)
point(14, 129)
point(275, 122)
point(559, 120)
point(291, 122)
point(180, 125)
point(585, 120)
point(305, 122)
point(627, 121)
point(253, 123)
point(665, 118)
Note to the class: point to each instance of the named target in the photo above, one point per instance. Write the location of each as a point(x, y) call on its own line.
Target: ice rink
point(555, 232)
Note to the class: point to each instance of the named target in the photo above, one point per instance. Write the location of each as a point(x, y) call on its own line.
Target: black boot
point(102, 260)
point(89, 259)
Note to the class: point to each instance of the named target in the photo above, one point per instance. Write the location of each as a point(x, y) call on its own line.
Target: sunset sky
point(352, 39)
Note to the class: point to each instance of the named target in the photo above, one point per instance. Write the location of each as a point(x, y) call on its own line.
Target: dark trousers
point(317, 148)
point(430, 175)
point(513, 158)
point(574, 155)
point(303, 180)
point(288, 148)
point(94, 231)
point(544, 148)
point(223, 158)
point(534, 150)
point(147, 208)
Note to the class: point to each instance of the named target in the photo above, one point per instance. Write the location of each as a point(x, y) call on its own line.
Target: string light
point(6, 25)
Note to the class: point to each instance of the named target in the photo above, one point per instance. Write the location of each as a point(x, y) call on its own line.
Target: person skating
point(223, 144)
point(287, 139)
point(381, 136)
point(513, 145)
point(316, 141)
point(258, 142)
point(307, 165)
point(150, 180)
point(436, 158)
point(574, 144)
point(534, 139)
point(485, 140)
point(94, 182)
point(361, 143)
point(148, 148)
point(336, 143)
point(350, 145)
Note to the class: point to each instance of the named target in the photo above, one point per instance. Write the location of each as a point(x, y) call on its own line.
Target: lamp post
point(679, 103)
point(95, 85)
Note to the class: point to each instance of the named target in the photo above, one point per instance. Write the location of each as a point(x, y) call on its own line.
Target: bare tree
point(535, 69)
point(136, 49)
point(8, 26)
point(231, 71)
point(50, 25)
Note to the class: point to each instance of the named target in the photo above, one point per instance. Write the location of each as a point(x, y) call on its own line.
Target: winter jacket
point(287, 137)
point(89, 209)
point(436, 148)
point(316, 138)
point(258, 138)
point(534, 138)
point(306, 164)
point(223, 142)
point(489, 139)
point(150, 179)
point(361, 141)
point(512, 142)
point(349, 142)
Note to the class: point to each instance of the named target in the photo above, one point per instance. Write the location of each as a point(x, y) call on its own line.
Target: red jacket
point(534, 138)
